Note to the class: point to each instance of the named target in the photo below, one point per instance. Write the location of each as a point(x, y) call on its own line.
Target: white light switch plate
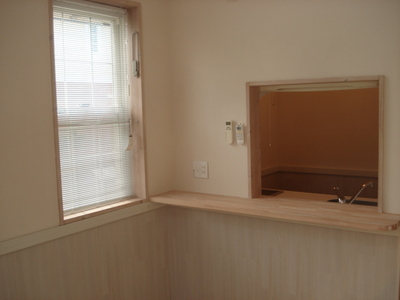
point(200, 169)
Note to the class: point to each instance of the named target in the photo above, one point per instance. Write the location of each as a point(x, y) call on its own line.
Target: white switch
point(200, 169)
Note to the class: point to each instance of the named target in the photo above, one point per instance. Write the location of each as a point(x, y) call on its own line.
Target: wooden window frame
point(138, 149)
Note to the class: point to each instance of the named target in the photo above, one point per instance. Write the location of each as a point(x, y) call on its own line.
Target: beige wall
point(328, 130)
point(28, 191)
point(219, 45)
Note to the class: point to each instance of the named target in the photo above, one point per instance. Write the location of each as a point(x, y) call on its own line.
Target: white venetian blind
point(92, 104)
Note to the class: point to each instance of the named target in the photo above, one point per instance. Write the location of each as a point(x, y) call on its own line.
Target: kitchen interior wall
point(328, 130)
point(313, 141)
point(269, 132)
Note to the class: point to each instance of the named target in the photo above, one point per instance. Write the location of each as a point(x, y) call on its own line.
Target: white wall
point(28, 187)
point(217, 46)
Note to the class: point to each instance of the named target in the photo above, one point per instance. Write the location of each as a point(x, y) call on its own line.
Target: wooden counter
point(288, 206)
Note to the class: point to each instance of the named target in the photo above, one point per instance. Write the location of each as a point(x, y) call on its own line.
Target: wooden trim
point(315, 80)
point(102, 210)
point(253, 137)
point(253, 121)
point(139, 146)
point(55, 119)
point(398, 269)
point(119, 3)
point(381, 150)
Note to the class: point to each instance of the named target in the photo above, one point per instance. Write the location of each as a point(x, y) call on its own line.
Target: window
point(98, 148)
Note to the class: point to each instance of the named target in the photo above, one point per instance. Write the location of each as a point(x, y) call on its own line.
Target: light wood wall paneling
point(217, 256)
point(122, 260)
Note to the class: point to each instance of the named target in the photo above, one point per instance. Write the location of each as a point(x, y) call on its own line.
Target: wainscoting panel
point(219, 256)
point(121, 260)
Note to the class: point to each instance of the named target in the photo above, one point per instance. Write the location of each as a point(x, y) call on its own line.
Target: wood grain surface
point(288, 206)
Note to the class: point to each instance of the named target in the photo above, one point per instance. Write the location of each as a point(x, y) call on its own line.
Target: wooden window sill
point(102, 210)
point(290, 207)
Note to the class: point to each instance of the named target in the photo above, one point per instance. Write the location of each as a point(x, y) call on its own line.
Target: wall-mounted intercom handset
point(135, 54)
point(229, 132)
point(240, 133)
